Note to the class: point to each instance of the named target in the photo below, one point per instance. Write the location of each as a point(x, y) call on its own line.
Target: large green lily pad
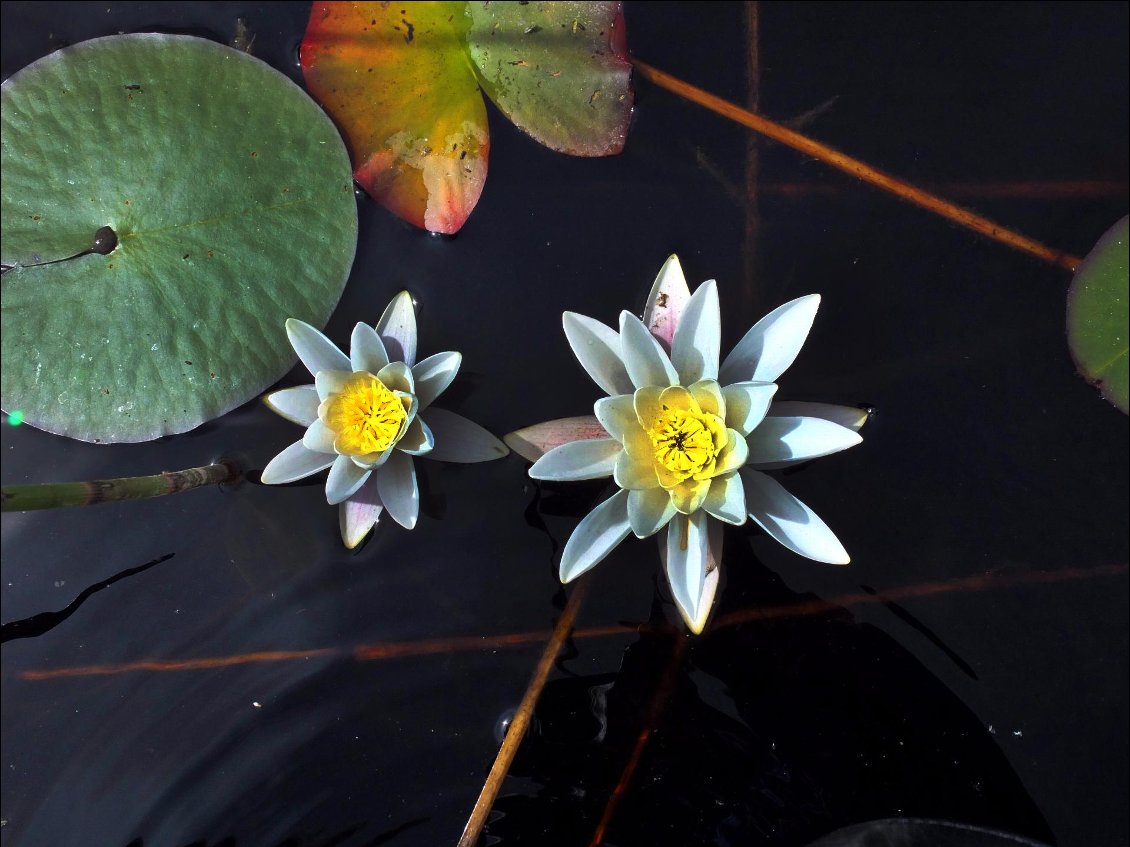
point(229, 195)
point(1098, 310)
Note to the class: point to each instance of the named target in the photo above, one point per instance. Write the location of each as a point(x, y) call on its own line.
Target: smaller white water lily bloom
point(368, 414)
point(687, 439)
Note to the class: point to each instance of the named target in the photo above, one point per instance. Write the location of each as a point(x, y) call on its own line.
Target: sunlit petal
point(315, 351)
point(687, 557)
point(649, 511)
point(433, 374)
point(589, 459)
point(533, 442)
point(298, 405)
point(366, 350)
point(665, 304)
point(726, 499)
point(597, 348)
point(852, 417)
point(294, 463)
point(616, 414)
point(396, 484)
point(747, 404)
point(698, 337)
point(633, 473)
point(359, 514)
point(319, 438)
point(645, 361)
point(772, 344)
point(417, 439)
point(344, 480)
point(397, 329)
point(790, 521)
point(797, 440)
point(596, 536)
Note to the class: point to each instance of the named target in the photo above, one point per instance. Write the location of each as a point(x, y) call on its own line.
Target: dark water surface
point(970, 664)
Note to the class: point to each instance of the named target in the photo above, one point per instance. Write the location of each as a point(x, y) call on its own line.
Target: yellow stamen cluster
point(365, 416)
point(683, 442)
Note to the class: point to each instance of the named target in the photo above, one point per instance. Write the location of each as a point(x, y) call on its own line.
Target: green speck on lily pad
point(229, 196)
point(1098, 311)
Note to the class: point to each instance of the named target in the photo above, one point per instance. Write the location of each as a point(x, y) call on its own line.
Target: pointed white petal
point(366, 350)
point(359, 514)
point(616, 414)
point(772, 344)
point(344, 480)
point(850, 416)
point(698, 338)
point(533, 442)
point(330, 382)
point(397, 329)
point(687, 557)
point(665, 303)
point(645, 361)
point(649, 511)
point(714, 539)
point(790, 521)
point(797, 440)
point(396, 483)
point(397, 376)
point(747, 404)
point(588, 459)
point(417, 439)
point(433, 375)
point(319, 438)
point(597, 348)
point(299, 404)
point(316, 351)
point(293, 463)
point(460, 440)
point(726, 500)
point(596, 536)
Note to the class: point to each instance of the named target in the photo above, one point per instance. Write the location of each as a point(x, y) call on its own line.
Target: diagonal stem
point(856, 168)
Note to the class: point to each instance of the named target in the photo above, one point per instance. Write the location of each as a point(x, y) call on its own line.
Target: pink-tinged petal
point(644, 358)
point(533, 442)
point(359, 514)
point(666, 302)
point(850, 416)
point(397, 329)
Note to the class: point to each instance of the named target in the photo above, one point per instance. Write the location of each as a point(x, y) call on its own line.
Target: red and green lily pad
point(405, 83)
point(167, 203)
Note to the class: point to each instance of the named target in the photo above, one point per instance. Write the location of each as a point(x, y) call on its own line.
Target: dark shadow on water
point(913, 622)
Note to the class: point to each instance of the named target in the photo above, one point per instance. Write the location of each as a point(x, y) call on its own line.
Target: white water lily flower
point(368, 414)
point(687, 439)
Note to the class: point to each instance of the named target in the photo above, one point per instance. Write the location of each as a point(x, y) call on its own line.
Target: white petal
point(649, 511)
point(790, 521)
point(396, 483)
point(295, 462)
point(359, 514)
point(533, 442)
point(797, 440)
point(330, 382)
point(366, 350)
point(597, 348)
point(397, 329)
point(772, 344)
point(316, 351)
point(299, 404)
point(397, 376)
point(344, 480)
point(588, 459)
point(596, 536)
point(747, 404)
point(460, 440)
point(714, 539)
point(665, 303)
point(616, 414)
point(645, 361)
point(850, 416)
point(698, 337)
point(417, 439)
point(726, 499)
point(433, 375)
point(319, 438)
point(687, 557)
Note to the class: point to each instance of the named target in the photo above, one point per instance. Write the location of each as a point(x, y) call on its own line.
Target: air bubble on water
point(154, 347)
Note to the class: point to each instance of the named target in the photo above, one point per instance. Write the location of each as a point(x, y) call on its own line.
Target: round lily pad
point(1098, 310)
point(167, 203)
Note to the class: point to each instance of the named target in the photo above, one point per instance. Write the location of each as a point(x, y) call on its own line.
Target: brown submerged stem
point(25, 498)
point(861, 170)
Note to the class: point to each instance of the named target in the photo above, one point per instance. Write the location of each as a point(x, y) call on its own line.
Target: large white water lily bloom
point(368, 414)
point(687, 439)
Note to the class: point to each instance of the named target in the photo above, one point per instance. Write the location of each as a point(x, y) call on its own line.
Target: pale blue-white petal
point(396, 483)
point(366, 350)
point(597, 348)
point(588, 459)
point(747, 404)
point(772, 344)
point(319, 438)
point(698, 337)
point(644, 359)
point(790, 521)
point(665, 304)
point(649, 510)
point(316, 351)
point(852, 417)
point(344, 480)
point(596, 536)
point(616, 414)
point(298, 405)
point(417, 439)
point(726, 499)
point(797, 440)
point(397, 329)
point(433, 375)
point(687, 557)
point(397, 376)
point(294, 463)
point(330, 382)
point(359, 514)
point(460, 440)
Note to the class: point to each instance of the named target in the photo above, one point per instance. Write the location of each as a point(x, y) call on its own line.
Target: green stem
point(24, 498)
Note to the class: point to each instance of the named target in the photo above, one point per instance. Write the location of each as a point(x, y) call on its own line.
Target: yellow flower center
point(366, 417)
point(683, 440)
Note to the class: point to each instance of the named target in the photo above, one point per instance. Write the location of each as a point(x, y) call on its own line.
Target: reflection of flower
point(686, 439)
point(367, 414)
